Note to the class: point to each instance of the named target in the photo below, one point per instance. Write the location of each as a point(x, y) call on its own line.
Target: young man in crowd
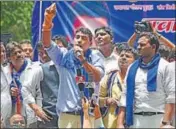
point(24, 76)
point(104, 40)
point(27, 49)
point(68, 63)
point(49, 87)
point(112, 85)
point(149, 97)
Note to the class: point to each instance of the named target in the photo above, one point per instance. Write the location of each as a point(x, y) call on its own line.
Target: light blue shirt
point(69, 95)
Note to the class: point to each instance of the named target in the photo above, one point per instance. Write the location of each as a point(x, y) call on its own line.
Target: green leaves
point(16, 19)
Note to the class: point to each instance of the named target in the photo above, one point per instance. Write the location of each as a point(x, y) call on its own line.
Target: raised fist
point(50, 13)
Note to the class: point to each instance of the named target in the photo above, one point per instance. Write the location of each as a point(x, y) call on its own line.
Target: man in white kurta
point(151, 102)
point(24, 75)
point(151, 109)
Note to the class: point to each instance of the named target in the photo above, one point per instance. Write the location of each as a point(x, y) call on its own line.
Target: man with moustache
point(27, 49)
point(80, 57)
point(24, 75)
point(149, 97)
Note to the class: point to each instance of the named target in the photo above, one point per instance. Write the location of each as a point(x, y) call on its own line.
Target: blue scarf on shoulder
point(152, 68)
point(16, 78)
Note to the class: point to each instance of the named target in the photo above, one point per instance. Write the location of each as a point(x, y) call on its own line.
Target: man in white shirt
point(170, 74)
point(148, 99)
point(104, 40)
point(24, 76)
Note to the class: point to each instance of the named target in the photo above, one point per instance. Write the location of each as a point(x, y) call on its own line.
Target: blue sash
point(16, 78)
point(152, 68)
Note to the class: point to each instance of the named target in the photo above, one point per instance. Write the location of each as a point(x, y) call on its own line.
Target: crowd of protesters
point(76, 86)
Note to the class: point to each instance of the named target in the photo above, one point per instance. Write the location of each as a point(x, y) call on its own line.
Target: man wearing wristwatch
point(67, 62)
point(148, 98)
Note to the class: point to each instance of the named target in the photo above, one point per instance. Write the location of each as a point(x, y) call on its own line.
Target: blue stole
point(16, 77)
point(152, 68)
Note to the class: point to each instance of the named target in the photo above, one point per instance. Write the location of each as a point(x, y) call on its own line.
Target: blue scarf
point(16, 77)
point(152, 68)
point(71, 62)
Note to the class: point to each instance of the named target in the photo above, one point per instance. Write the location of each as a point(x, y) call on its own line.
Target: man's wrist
point(47, 26)
point(166, 123)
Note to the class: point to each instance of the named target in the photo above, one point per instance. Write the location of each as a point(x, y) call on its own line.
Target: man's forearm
point(46, 37)
point(33, 106)
point(121, 116)
point(169, 112)
point(93, 70)
point(132, 40)
point(165, 41)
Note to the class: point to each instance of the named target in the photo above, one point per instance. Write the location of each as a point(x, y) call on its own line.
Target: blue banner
point(119, 15)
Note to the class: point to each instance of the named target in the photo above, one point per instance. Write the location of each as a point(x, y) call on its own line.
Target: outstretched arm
point(164, 40)
point(47, 25)
point(132, 40)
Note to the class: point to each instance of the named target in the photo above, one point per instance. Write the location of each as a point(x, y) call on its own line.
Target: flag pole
point(40, 21)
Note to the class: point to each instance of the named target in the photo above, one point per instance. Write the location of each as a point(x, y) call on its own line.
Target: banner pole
point(40, 20)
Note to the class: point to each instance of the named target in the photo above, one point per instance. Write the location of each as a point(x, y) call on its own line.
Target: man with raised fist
point(68, 61)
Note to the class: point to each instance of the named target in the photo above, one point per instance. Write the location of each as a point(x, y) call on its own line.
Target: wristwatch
point(159, 36)
point(166, 123)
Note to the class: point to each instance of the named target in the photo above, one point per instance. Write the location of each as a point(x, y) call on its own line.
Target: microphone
point(78, 53)
point(80, 81)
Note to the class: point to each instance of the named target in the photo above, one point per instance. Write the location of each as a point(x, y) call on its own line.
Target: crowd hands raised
point(46, 93)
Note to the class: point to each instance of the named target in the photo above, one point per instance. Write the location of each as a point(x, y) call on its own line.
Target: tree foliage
point(16, 19)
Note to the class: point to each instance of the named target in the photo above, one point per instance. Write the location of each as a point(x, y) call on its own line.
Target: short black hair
point(25, 41)
point(124, 47)
point(153, 39)
point(106, 29)
point(120, 46)
point(164, 51)
point(10, 47)
point(40, 45)
point(172, 54)
point(85, 31)
point(62, 39)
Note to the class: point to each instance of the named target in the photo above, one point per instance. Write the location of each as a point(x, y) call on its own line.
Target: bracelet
point(166, 123)
point(45, 30)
